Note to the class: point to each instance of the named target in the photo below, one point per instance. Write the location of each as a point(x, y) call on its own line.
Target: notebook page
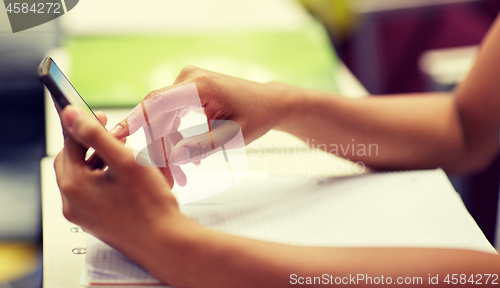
point(404, 209)
point(105, 266)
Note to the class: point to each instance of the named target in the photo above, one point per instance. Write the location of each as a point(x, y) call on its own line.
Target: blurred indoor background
point(392, 46)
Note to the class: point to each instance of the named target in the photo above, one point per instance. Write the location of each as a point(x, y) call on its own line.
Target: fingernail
point(116, 130)
point(71, 113)
point(181, 156)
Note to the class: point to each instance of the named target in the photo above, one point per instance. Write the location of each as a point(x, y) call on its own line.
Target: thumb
point(221, 135)
point(87, 130)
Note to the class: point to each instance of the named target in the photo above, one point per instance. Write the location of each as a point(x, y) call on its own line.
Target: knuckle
point(204, 78)
point(151, 94)
point(188, 70)
point(68, 187)
point(186, 73)
point(203, 146)
point(124, 122)
point(207, 83)
point(57, 159)
point(68, 213)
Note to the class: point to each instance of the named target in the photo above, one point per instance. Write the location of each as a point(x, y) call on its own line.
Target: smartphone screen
point(67, 88)
point(62, 91)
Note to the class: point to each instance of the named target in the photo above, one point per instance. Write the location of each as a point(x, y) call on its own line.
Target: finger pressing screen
point(156, 103)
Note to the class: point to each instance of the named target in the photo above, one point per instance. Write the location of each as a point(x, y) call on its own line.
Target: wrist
point(164, 247)
point(301, 110)
point(185, 249)
point(289, 101)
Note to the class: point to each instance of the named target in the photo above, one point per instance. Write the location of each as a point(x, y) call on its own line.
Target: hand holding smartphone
point(63, 94)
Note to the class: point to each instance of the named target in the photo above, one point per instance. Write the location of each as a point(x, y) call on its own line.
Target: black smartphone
point(62, 91)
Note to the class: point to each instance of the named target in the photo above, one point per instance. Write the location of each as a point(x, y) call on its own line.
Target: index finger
point(156, 103)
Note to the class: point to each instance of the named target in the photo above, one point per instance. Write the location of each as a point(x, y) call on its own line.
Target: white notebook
point(403, 209)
